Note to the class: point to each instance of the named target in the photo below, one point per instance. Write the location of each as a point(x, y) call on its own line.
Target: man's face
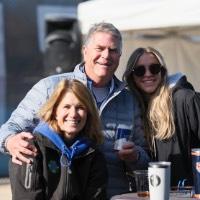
point(101, 56)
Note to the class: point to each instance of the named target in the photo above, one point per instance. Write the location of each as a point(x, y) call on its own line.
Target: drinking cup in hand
point(122, 135)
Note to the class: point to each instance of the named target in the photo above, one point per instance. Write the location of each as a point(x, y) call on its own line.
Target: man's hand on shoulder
point(20, 148)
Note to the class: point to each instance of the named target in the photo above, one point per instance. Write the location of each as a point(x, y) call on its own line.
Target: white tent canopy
point(171, 26)
point(140, 14)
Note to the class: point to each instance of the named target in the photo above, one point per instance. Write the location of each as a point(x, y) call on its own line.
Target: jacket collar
point(79, 73)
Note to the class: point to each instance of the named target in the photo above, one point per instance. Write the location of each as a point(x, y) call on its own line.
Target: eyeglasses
point(140, 70)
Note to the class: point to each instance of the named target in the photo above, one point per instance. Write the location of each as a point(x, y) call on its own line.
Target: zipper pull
point(69, 171)
point(28, 175)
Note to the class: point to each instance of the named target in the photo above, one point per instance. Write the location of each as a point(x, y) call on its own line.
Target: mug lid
point(162, 164)
point(195, 151)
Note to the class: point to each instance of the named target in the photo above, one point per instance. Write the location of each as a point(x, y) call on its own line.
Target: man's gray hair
point(105, 28)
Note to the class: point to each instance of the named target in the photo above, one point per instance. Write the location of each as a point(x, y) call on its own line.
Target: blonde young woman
point(171, 111)
point(69, 164)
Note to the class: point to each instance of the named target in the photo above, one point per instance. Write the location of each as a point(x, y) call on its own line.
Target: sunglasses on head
point(140, 70)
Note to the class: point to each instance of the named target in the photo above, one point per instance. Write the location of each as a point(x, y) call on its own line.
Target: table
point(133, 196)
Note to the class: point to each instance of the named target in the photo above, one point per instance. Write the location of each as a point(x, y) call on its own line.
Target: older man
point(117, 107)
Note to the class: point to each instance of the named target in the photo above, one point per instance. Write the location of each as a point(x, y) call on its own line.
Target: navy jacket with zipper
point(47, 179)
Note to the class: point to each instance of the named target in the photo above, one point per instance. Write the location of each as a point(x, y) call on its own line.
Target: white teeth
point(104, 64)
point(148, 81)
point(72, 121)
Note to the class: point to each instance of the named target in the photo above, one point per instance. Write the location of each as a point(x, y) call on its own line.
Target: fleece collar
point(78, 147)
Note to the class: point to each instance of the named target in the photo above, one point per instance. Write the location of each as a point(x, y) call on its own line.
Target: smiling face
point(101, 55)
point(148, 83)
point(71, 115)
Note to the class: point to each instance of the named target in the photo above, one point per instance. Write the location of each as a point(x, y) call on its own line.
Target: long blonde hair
point(158, 111)
point(92, 127)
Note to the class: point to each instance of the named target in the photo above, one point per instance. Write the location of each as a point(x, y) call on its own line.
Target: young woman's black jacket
point(186, 103)
point(46, 179)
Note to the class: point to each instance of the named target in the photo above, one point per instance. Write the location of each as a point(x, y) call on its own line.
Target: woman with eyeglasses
point(170, 109)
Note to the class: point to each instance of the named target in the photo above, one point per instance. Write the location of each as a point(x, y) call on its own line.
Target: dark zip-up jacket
point(47, 179)
point(186, 103)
